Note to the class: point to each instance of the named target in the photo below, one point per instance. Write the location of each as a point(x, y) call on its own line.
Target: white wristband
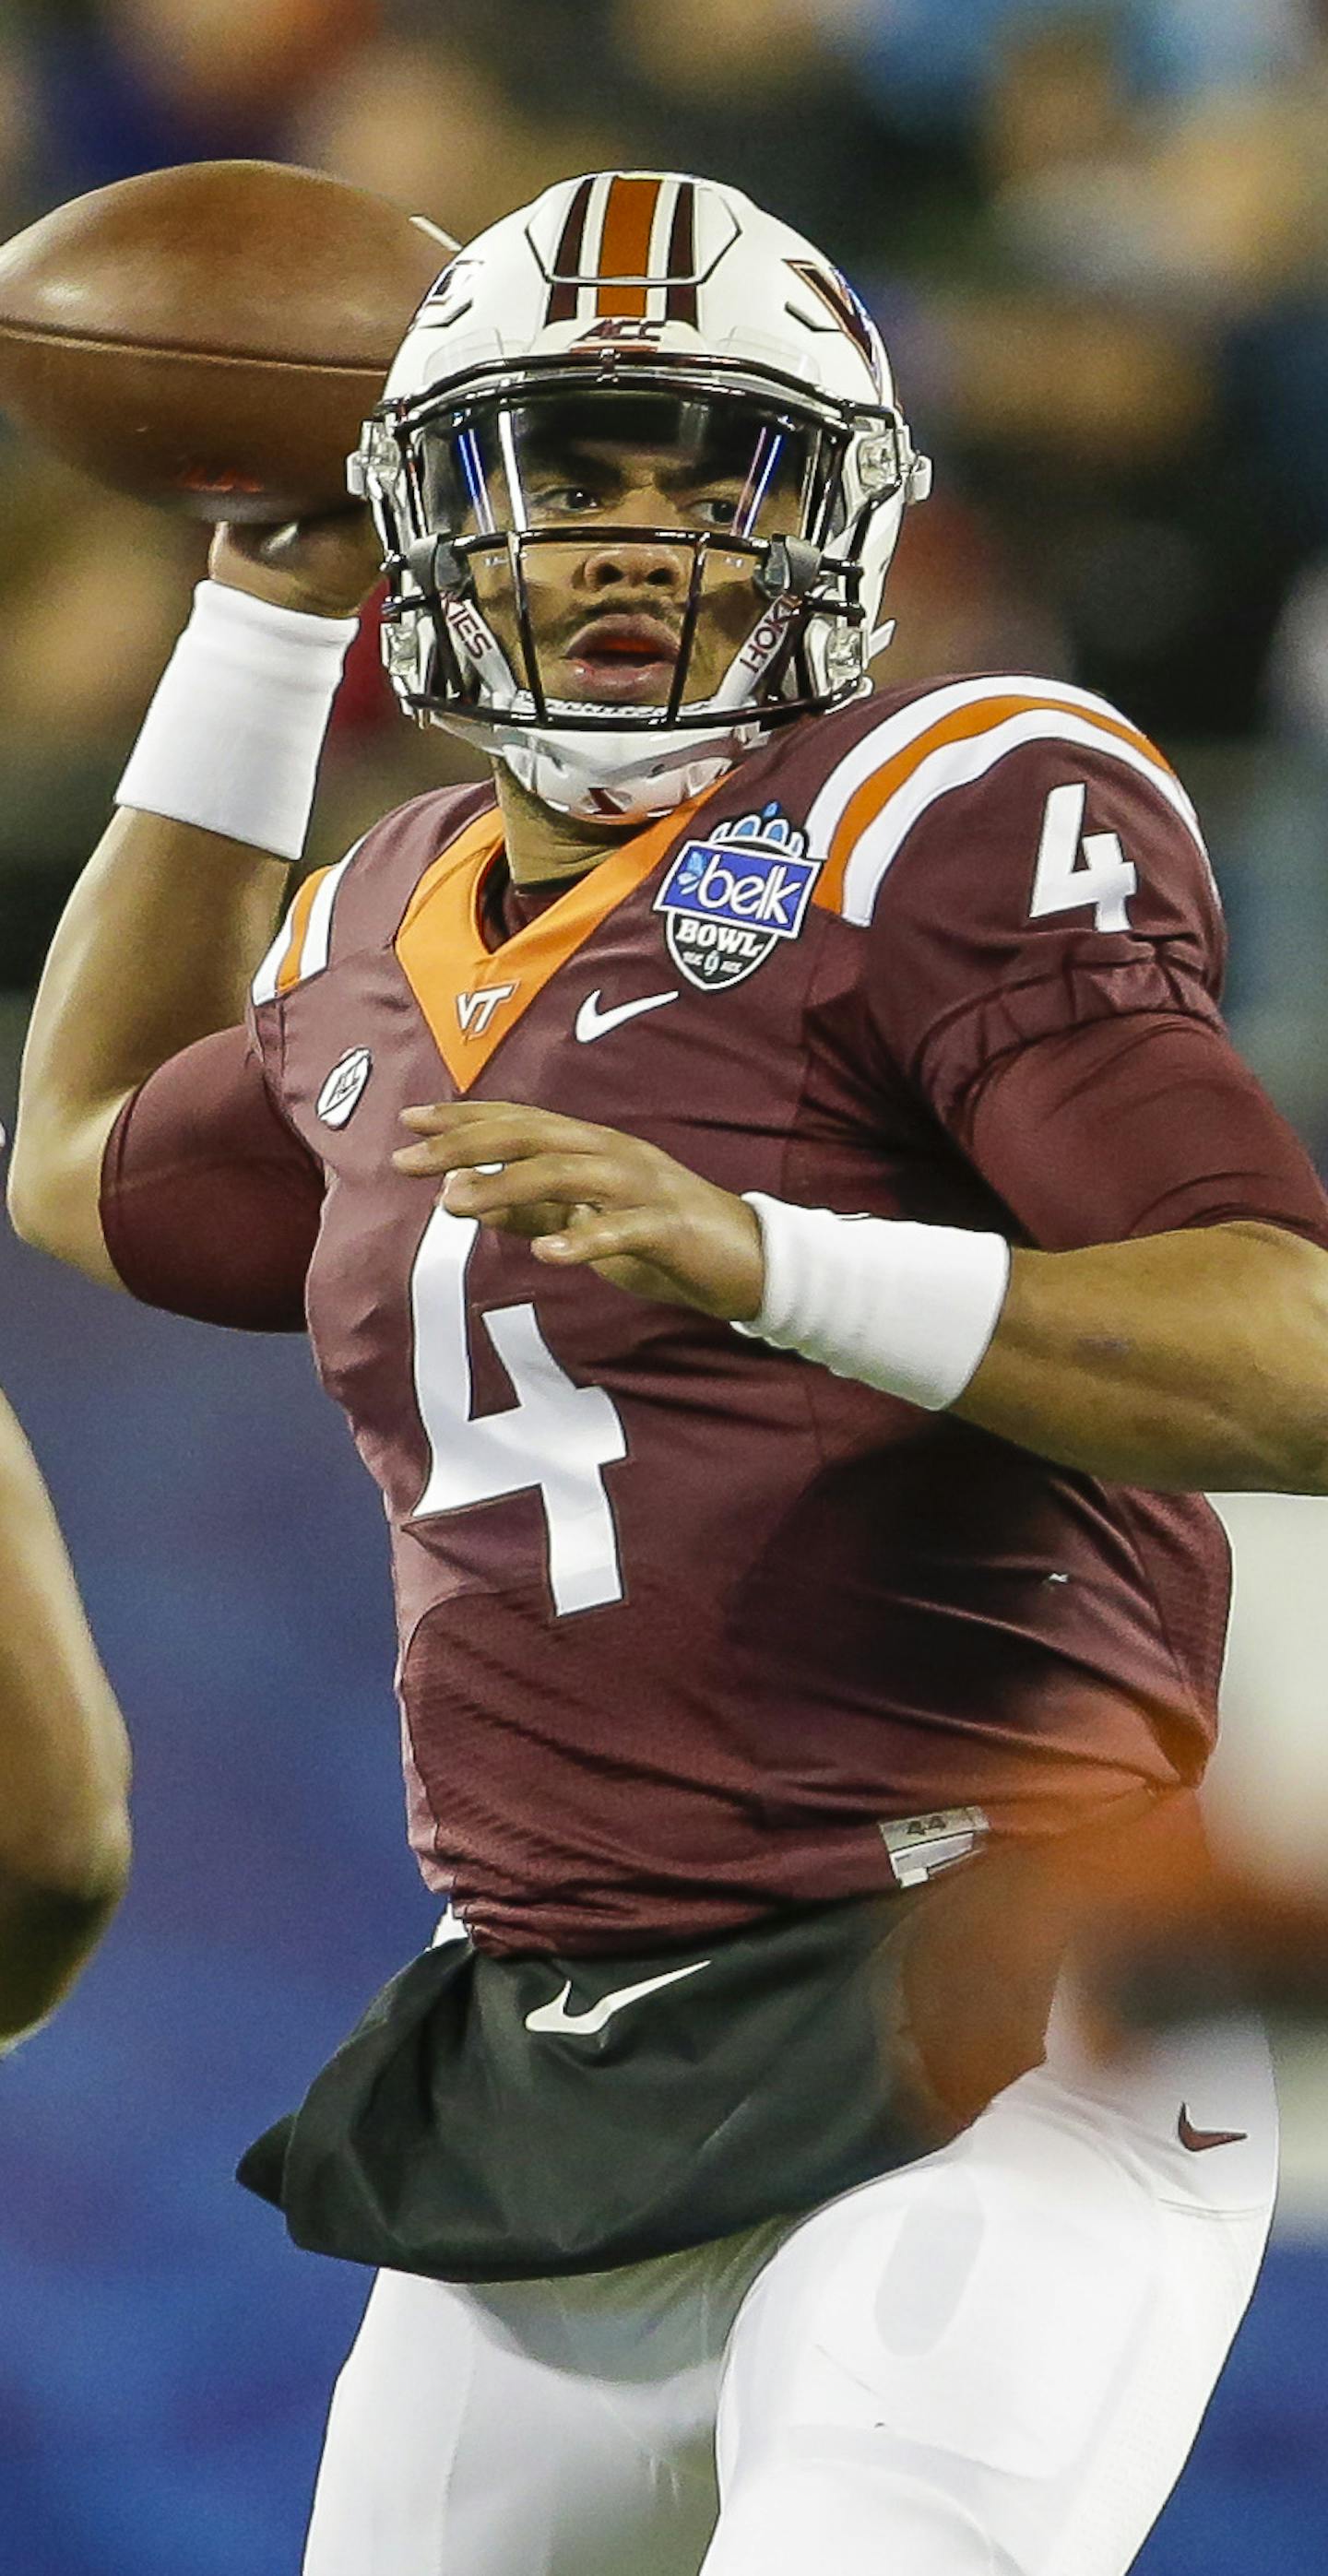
point(232, 739)
point(906, 1308)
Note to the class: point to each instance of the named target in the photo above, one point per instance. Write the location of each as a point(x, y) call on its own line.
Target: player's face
point(606, 612)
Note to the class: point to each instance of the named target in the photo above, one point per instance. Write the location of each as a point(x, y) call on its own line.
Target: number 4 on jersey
point(558, 1437)
point(1075, 868)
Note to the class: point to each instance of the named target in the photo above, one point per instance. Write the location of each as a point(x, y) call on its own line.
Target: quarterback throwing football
point(768, 1182)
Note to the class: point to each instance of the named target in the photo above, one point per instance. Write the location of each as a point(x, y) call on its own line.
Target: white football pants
point(992, 2363)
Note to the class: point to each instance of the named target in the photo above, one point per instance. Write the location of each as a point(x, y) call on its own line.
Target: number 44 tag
point(1075, 868)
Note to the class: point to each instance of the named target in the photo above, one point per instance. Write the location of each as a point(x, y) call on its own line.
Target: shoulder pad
point(367, 911)
point(949, 737)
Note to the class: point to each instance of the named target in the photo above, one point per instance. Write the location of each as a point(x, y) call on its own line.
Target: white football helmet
point(661, 312)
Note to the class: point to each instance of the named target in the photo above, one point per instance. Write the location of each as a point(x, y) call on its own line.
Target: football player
point(745, 1673)
point(64, 1761)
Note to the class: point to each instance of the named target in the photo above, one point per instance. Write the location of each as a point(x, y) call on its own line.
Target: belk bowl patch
point(727, 900)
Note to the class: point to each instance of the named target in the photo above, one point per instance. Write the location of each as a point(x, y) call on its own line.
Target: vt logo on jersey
point(726, 901)
point(475, 1010)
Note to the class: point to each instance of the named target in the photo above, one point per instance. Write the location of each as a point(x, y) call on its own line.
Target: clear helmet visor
point(616, 543)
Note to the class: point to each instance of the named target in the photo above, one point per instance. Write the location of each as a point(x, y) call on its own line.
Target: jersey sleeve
point(1046, 959)
point(1136, 1124)
point(210, 1204)
point(1065, 883)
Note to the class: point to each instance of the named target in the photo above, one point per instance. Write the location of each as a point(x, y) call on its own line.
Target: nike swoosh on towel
point(555, 2016)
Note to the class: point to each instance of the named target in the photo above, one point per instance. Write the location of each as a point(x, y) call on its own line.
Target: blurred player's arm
point(64, 1758)
point(160, 937)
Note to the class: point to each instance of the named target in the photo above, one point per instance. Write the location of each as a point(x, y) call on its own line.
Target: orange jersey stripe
point(441, 950)
point(625, 246)
point(871, 798)
point(288, 972)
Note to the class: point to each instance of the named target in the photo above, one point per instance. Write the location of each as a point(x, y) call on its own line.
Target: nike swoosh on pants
point(1197, 2140)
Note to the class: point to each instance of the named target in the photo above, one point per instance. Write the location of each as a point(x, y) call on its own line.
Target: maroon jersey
point(684, 1619)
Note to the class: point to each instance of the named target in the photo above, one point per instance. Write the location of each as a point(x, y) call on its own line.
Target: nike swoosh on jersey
point(1199, 2139)
point(592, 1022)
point(555, 2016)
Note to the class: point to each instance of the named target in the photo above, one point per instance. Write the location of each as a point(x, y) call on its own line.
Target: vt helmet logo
point(727, 901)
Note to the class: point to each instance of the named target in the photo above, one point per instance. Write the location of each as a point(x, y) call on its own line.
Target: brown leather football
point(212, 337)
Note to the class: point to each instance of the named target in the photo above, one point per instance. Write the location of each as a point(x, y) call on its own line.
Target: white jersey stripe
point(317, 934)
point(957, 764)
point(907, 724)
point(264, 985)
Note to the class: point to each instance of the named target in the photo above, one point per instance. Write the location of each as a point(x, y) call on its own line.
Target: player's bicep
point(209, 1205)
point(1132, 1125)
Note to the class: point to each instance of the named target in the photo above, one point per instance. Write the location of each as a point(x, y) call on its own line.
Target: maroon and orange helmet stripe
point(620, 277)
point(567, 260)
point(680, 302)
point(624, 249)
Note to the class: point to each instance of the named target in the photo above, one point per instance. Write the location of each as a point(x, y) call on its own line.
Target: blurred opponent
point(64, 1822)
point(743, 2190)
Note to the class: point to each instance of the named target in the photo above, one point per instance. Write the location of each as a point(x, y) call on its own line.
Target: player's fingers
point(563, 1178)
point(542, 1216)
point(596, 1234)
point(490, 1131)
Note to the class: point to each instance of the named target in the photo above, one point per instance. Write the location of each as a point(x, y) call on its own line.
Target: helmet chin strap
point(614, 777)
point(613, 773)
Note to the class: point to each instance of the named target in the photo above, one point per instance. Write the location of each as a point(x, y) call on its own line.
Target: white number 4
point(1075, 868)
point(557, 1437)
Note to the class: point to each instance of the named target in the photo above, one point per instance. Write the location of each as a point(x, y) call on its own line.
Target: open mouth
point(623, 660)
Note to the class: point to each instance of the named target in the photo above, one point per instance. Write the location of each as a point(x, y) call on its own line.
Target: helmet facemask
point(618, 663)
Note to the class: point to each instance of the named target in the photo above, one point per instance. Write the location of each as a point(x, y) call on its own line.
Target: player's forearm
point(64, 1758)
point(1179, 1362)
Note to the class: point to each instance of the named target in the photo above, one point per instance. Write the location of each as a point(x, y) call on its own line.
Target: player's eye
point(715, 509)
point(564, 500)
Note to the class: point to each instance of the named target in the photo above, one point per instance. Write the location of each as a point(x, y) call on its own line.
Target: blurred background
point(1095, 234)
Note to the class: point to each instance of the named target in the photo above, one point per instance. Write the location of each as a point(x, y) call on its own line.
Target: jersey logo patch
point(728, 901)
point(920, 1845)
point(340, 1094)
point(475, 1010)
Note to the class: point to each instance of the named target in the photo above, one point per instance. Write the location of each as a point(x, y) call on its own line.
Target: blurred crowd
point(1095, 233)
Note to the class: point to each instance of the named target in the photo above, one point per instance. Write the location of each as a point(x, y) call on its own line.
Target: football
point(210, 338)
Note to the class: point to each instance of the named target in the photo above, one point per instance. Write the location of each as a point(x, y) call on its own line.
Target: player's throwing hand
point(590, 1195)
